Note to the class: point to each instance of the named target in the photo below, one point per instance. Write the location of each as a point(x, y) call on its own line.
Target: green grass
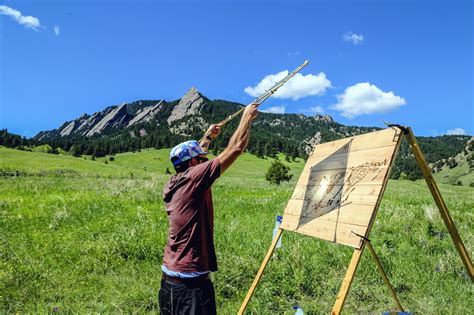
point(90, 239)
point(42, 164)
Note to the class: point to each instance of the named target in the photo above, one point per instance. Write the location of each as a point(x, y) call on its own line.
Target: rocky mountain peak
point(146, 114)
point(189, 104)
point(310, 143)
point(66, 131)
point(325, 118)
point(114, 116)
point(193, 90)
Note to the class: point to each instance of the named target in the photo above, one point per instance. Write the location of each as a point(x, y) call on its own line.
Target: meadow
point(83, 236)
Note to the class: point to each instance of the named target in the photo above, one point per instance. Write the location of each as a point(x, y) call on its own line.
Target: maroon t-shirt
point(188, 202)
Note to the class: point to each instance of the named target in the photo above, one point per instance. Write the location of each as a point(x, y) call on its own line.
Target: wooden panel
point(331, 231)
point(311, 192)
point(374, 175)
point(344, 235)
point(363, 142)
point(318, 228)
point(340, 187)
point(362, 199)
point(365, 158)
point(350, 214)
point(354, 205)
point(294, 207)
point(290, 222)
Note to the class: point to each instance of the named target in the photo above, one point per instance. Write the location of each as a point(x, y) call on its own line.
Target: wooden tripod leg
point(384, 276)
point(260, 272)
point(346, 283)
point(443, 209)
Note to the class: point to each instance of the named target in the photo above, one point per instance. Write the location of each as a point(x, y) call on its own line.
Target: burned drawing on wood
point(331, 191)
point(340, 188)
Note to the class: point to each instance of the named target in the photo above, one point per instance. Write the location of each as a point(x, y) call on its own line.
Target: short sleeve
point(204, 175)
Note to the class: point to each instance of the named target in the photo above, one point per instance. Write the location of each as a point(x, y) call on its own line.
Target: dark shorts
point(191, 297)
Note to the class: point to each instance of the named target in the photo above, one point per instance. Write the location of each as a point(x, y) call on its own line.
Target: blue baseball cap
point(185, 151)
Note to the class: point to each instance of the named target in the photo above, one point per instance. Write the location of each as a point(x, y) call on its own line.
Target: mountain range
point(161, 124)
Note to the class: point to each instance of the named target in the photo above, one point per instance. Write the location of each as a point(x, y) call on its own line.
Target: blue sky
point(409, 62)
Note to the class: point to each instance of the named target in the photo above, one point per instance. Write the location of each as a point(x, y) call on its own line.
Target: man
point(189, 255)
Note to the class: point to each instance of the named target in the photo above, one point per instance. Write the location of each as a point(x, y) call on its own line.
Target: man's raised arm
point(239, 140)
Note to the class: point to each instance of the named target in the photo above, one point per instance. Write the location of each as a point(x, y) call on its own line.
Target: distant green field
point(82, 236)
point(460, 175)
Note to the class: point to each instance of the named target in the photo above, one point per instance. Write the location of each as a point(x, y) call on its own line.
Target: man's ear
point(194, 162)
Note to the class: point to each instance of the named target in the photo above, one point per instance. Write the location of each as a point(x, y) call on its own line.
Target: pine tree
point(259, 151)
point(267, 149)
point(76, 150)
point(278, 172)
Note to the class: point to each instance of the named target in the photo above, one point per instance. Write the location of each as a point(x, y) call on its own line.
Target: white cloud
point(365, 98)
point(27, 21)
point(297, 87)
point(275, 110)
point(356, 39)
point(316, 110)
point(456, 131)
point(56, 30)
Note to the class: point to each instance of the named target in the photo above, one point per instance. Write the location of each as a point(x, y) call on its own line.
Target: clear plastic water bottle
point(299, 310)
point(279, 218)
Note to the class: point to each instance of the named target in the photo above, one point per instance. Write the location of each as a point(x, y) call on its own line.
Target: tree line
point(266, 140)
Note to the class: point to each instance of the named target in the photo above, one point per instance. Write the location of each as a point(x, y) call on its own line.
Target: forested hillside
point(162, 124)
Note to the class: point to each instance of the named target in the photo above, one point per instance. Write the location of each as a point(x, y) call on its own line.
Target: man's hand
point(251, 111)
point(214, 131)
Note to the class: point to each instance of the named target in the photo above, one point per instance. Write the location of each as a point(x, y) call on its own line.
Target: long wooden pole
point(443, 209)
point(259, 100)
point(384, 276)
point(348, 278)
point(260, 272)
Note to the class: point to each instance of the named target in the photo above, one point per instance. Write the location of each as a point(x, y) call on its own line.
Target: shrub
point(76, 151)
point(403, 176)
point(45, 148)
point(278, 172)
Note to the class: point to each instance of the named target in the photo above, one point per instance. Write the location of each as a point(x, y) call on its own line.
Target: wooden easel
point(356, 256)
